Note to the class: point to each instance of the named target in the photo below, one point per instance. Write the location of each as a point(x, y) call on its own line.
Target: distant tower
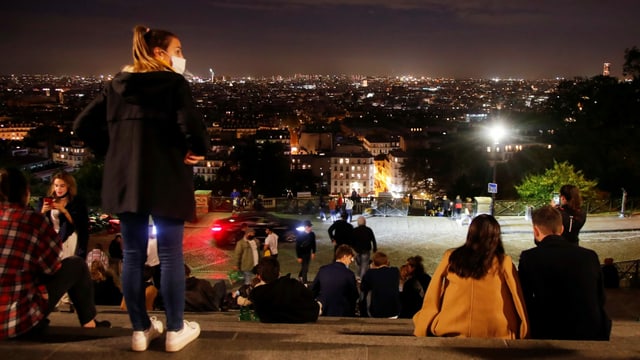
point(212, 74)
point(605, 69)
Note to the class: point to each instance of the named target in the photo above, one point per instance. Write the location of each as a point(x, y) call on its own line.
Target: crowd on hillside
point(476, 291)
point(557, 292)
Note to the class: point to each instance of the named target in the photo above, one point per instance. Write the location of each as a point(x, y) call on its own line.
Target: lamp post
point(496, 133)
point(624, 200)
point(495, 190)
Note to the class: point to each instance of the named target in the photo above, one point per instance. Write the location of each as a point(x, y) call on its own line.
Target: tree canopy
point(539, 188)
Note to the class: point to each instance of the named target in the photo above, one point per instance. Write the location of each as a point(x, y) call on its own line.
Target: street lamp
point(495, 133)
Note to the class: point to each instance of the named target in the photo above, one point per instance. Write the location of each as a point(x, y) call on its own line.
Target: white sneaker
point(176, 340)
point(141, 339)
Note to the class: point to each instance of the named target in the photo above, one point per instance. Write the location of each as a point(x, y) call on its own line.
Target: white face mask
point(179, 64)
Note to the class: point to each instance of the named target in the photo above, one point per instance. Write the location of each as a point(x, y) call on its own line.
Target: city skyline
point(433, 38)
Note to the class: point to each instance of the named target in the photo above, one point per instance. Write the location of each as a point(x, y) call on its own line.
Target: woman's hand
point(192, 159)
point(46, 206)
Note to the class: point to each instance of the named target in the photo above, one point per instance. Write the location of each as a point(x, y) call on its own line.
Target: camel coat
point(491, 307)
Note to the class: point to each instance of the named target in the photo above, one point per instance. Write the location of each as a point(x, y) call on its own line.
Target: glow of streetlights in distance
point(497, 133)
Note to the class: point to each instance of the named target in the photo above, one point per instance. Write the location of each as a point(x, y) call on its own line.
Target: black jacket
point(201, 295)
point(563, 291)
point(146, 123)
point(80, 215)
point(284, 300)
point(364, 240)
point(340, 232)
point(335, 287)
point(573, 221)
point(380, 292)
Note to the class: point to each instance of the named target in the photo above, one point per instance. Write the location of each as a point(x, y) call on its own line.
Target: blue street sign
point(493, 188)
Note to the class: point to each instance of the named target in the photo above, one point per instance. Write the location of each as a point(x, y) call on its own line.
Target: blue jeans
point(135, 235)
point(363, 263)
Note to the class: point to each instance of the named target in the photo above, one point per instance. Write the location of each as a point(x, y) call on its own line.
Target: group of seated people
point(557, 291)
point(476, 290)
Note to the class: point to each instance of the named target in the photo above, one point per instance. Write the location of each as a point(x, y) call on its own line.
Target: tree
point(416, 170)
point(539, 188)
point(89, 180)
point(631, 66)
point(596, 129)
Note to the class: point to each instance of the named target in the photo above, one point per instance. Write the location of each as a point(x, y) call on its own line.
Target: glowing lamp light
point(497, 133)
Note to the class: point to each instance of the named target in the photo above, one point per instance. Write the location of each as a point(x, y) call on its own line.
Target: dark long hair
point(571, 193)
point(13, 186)
point(484, 243)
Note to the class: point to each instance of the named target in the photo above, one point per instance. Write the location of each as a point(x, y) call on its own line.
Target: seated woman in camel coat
point(475, 291)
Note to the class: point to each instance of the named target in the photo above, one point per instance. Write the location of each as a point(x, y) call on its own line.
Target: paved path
point(401, 237)
point(224, 337)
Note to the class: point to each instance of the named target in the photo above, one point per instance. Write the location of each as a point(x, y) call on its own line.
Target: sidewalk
point(402, 237)
point(594, 224)
point(225, 337)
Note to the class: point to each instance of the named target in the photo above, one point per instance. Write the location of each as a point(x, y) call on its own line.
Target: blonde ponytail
point(144, 41)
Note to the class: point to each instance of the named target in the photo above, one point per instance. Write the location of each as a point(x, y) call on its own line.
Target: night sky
point(433, 38)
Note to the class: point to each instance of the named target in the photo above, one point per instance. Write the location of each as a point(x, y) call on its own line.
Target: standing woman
point(573, 218)
point(68, 214)
point(146, 122)
point(475, 291)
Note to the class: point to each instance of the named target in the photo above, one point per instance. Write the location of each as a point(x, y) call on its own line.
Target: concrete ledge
point(225, 337)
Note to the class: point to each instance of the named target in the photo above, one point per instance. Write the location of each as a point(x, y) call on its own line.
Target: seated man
point(32, 276)
point(380, 289)
point(201, 295)
point(335, 285)
point(562, 284)
point(282, 299)
point(610, 274)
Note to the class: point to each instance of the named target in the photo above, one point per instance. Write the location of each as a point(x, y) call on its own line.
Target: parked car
point(227, 231)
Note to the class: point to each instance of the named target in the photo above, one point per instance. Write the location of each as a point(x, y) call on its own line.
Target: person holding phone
point(68, 214)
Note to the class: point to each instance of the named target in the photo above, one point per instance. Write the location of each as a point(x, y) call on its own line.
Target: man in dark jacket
point(363, 241)
point(380, 289)
point(282, 299)
point(305, 250)
point(201, 295)
point(562, 284)
point(335, 285)
point(340, 233)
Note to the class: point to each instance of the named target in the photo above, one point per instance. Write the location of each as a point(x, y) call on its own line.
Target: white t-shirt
point(254, 251)
point(272, 243)
point(152, 252)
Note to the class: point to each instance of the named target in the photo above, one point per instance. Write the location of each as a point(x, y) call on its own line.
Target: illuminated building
point(353, 171)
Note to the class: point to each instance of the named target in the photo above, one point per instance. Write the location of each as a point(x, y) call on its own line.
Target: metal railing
point(402, 207)
point(629, 273)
